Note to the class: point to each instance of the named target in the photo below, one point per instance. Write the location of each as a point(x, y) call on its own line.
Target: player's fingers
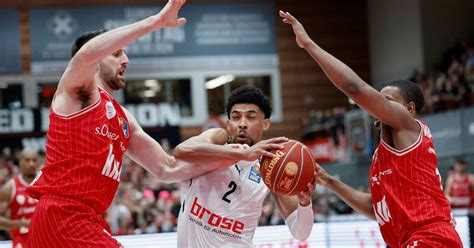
point(282, 14)
point(311, 187)
point(278, 140)
point(290, 17)
point(317, 168)
point(181, 21)
point(266, 153)
point(273, 147)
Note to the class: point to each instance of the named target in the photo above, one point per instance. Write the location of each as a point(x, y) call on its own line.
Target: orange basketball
point(290, 171)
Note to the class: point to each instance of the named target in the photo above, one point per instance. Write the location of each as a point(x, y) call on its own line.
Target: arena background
point(380, 40)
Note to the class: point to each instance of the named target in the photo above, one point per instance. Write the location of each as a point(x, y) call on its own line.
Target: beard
point(116, 82)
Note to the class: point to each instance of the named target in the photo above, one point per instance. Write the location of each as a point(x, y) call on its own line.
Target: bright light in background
point(3, 85)
point(216, 82)
point(153, 84)
point(149, 93)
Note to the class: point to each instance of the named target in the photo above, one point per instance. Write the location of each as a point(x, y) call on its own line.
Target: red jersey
point(461, 191)
point(406, 189)
point(84, 155)
point(21, 207)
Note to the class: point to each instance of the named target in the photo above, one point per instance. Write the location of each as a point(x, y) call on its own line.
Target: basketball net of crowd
point(145, 205)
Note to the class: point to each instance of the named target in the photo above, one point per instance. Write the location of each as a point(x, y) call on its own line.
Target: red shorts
point(438, 235)
point(59, 222)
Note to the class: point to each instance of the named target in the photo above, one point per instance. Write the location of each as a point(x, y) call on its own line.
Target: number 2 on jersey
point(233, 187)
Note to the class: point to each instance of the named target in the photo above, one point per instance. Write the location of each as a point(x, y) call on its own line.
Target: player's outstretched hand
point(305, 196)
point(302, 38)
point(168, 16)
point(322, 177)
point(264, 147)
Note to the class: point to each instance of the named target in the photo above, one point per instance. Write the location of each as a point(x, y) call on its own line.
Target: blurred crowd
point(451, 84)
point(325, 134)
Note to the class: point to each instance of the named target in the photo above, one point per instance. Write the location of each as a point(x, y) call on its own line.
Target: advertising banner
point(215, 35)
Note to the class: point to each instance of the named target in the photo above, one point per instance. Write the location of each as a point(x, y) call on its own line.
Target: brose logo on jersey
point(216, 220)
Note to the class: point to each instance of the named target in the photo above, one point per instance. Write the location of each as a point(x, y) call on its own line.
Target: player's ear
point(266, 124)
point(411, 107)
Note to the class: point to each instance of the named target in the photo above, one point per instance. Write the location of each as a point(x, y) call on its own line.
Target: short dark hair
point(83, 39)
point(410, 92)
point(249, 94)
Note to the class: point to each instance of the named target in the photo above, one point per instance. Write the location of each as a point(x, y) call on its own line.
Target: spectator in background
point(460, 186)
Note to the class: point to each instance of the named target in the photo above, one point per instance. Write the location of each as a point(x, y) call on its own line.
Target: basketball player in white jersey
point(222, 207)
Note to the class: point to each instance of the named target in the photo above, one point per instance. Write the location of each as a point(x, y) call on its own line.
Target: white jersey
point(222, 208)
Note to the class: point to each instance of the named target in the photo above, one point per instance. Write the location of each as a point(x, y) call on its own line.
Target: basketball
point(290, 171)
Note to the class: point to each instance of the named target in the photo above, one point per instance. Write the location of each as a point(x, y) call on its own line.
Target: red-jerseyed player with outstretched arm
point(406, 197)
point(89, 133)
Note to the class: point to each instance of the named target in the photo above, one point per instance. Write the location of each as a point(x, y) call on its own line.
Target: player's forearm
point(207, 154)
point(359, 201)
point(342, 76)
point(181, 171)
point(300, 222)
point(169, 169)
point(107, 43)
point(7, 224)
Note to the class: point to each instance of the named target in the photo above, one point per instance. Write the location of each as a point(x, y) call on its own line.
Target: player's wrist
point(304, 203)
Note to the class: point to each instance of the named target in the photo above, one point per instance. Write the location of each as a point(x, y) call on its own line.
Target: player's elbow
point(83, 55)
point(371, 215)
point(352, 89)
point(182, 151)
point(301, 236)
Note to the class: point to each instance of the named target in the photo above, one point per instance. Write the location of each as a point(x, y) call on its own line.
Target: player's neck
point(106, 88)
point(26, 180)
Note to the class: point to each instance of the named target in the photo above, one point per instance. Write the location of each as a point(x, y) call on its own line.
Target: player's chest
point(238, 181)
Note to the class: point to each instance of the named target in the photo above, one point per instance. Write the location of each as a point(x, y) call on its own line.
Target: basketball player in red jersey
point(13, 199)
point(459, 186)
point(89, 133)
point(406, 197)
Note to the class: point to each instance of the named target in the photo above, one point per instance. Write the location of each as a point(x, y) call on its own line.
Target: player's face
point(392, 94)
point(29, 163)
point(246, 124)
point(459, 167)
point(112, 69)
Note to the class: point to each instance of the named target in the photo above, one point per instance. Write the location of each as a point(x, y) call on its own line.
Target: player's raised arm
point(345, 79)
point(77, 83)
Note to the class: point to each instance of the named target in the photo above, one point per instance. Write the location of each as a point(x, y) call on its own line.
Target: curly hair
point(249, 94)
